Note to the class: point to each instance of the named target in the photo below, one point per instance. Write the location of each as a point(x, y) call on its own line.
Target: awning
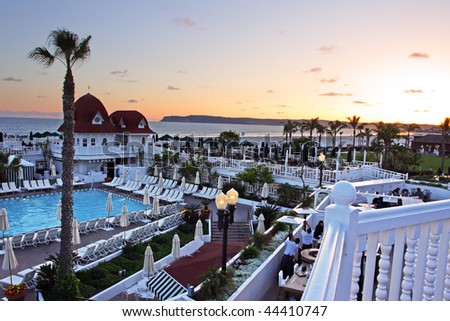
point(164, 286)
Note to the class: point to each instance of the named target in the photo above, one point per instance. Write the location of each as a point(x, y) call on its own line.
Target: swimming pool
point(39, 212)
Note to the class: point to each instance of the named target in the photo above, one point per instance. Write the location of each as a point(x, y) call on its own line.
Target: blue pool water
point(34, 213)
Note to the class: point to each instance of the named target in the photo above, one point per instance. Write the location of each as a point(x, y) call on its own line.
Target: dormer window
point(122, 123)
point(142, 123)
point(98, 119)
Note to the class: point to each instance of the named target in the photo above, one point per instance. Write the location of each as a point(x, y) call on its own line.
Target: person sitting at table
point(287, 261)
point(419, 193)
point(396, 192)
point(318, 232)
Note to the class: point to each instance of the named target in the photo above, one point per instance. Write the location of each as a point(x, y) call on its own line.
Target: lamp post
point(226, 217)
point(321, 160)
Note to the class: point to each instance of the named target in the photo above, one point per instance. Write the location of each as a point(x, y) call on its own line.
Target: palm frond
point(42, 56)
point(82, 51)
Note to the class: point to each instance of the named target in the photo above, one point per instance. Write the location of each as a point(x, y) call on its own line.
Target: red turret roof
point(130, 121)
point(91, 117)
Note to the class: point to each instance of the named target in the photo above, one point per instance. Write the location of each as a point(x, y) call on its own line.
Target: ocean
point(15, 126)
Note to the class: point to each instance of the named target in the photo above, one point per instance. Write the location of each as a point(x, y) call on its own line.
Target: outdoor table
point(309, 255)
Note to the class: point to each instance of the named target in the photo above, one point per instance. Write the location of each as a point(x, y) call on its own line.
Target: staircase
point(237, 232)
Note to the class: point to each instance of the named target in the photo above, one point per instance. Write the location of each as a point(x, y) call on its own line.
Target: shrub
point(259, 240)
point(159, 239)
point(250, 252)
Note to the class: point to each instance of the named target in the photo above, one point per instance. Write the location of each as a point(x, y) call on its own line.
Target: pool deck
point(31, 256)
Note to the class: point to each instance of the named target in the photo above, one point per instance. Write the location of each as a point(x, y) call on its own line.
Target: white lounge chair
point(13, 187)
point(110, 184)
point(6, 188)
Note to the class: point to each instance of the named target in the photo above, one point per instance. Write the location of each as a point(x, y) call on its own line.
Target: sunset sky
point(381, 60)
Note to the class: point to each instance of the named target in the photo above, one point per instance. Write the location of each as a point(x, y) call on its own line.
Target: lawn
point(431, 161)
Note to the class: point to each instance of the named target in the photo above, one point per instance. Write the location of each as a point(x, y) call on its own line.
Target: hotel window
point(92, 141)
point(143, 141)
point(84, 142)
point(78, 141)
point(104, 142)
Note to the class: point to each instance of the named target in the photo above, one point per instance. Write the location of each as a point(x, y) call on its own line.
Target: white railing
point(398, 253)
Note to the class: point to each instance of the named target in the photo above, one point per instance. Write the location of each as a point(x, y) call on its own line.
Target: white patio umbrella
point(155, 210)
point(59, 211)
point(9, 259)
point(53, 170)
point(198, 233)
point(175, 247)
point(20, 175)
point(305, 211)
point(220, 182)
point(155, 172)
point(149, 263)
point(124, 221)
point(261, 227)
point(146, 200)
point(183, 184)
point(160, 180)
point(197, 178)
point(175, 173)
point(4, 223)
point(109, 208)
point(76, 240)
point(290, 220)
point(265, 193)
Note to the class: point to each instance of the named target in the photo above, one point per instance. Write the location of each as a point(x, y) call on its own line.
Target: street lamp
point(226, 217)
point(321, 160)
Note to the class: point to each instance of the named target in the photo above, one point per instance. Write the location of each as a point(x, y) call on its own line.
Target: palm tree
point(367, 134)
point(409, 128)
point(354, 122)
point(320, 129)
point(69, 49)
point(5, 164)
point(288, 129)
point(334, 127)
point(387, 133)
point(445, 130)
point(310, 125)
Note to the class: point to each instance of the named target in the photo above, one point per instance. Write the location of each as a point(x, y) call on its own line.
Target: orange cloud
point(414, 91)
point(419, 55)
point(333, 94)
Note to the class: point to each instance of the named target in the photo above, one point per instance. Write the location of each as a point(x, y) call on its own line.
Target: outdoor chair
point(82, 227)
point(6, 188)
point(41, 237)
point(86, 253)
point(53, 235)
point(16, 241)
point(114, 180)
point(28, 239)
point(13, 187)
point(47, 184)
point(26, 279)
point(34, 185)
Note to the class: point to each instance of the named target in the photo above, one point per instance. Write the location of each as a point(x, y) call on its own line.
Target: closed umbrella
point(155, 210)
point(59, 211)
point(265, 193)
point(109, 208)
point(124, 220)
point(160, 180)
point(149, 263)
point(261, 228)
point(175, 173)
point(76, 240)
point(53, 170)
point(198, 230)
point(9, 259)
point(155, 172)
point(183, 184)
point(4, 223)
point(146, 200)
point(197, 178)
point(175, 247)
point(220, 182)
point(20, 175)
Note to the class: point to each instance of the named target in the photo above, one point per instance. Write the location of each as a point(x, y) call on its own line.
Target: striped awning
point(164, 286)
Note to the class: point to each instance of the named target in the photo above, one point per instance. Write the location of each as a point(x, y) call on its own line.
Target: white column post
point(346, 216)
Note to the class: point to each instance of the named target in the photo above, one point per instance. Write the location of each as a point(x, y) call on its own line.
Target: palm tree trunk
point(68, 153)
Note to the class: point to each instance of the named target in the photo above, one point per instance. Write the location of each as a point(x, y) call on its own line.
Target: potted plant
point(206, 212)
point(16, 292)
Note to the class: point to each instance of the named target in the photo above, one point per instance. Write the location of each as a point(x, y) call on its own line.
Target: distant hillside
point(223, 120)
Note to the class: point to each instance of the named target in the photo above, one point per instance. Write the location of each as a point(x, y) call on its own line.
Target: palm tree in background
point(335, 127)
point(409, 128)
point(310, 125)
point(367, 134)
point(6, 162)
point(69, 49)
point(387, 133)
point(320, 129)
point(288, 129)
point(354, 122)
point(445, 130)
